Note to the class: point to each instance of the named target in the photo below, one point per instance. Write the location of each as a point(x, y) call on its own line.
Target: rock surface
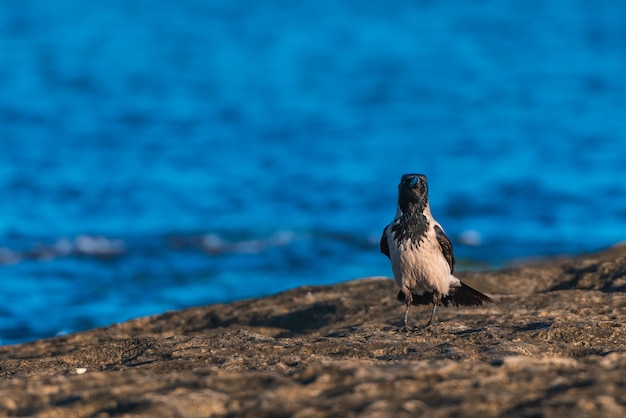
point(552, 344)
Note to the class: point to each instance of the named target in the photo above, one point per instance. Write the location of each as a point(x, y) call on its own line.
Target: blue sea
point(162, 155)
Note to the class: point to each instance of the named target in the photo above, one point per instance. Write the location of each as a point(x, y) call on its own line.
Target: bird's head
point(413, 191)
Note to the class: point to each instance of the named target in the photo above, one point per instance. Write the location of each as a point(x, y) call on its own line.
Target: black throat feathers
point(411, 224)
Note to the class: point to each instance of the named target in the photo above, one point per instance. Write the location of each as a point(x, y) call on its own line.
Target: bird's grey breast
point(416, 258)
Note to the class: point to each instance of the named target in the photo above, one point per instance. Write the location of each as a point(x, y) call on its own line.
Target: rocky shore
point(552, 344)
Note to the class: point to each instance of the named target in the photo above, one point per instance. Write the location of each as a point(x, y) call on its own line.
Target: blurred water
point(159, 157)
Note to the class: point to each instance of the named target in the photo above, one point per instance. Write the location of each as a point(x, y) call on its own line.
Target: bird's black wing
point(446, 247)
point(384, 244)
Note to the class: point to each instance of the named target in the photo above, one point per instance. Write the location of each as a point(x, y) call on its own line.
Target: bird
point(421, 254)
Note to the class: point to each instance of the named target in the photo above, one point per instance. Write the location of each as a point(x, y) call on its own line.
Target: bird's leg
point(436, 302)
point(406, 319)
point(432, 316)
point(408, 298)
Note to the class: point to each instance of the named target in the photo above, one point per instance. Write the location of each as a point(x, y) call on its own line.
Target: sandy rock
point(553, 343)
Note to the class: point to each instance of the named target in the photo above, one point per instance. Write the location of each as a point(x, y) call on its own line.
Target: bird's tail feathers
point(465, 296)
point(462, 295)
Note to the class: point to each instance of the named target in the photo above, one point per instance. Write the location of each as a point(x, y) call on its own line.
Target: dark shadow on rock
point(467, 332)
point(313, 317)
point(533, 326)
point(213, 320)
point(606, 276)
point(128, 407)
point(537, 407)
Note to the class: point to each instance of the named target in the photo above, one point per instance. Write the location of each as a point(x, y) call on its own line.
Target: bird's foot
point(404, 327)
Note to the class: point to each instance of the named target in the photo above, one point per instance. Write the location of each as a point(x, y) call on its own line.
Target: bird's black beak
point(412, 181)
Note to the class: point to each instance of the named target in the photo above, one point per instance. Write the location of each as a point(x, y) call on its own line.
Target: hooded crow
point(421, 254)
